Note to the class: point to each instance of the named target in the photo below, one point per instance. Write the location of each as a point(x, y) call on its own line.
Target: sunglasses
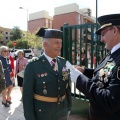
point(5, 51)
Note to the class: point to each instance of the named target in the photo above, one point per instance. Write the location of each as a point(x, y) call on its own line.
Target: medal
point(45, 91)
point(45, 74)
point(44, 88)
point(66, 85)
point(42, 75)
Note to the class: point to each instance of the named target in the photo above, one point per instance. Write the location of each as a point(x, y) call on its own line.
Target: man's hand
point(81, 69)
point(68, 113)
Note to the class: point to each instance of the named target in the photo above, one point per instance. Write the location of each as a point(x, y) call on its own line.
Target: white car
point(28, 53)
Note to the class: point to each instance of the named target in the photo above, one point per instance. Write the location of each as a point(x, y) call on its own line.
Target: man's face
point(53, 47)
point(108, 37)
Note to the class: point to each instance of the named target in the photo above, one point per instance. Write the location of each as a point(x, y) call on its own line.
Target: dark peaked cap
point(108, 20)
point(49, 33)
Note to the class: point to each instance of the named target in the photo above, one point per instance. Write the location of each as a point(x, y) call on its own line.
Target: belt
point(49, 99)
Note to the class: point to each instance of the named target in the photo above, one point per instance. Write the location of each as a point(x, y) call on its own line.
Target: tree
point(33, 41)
point(27, 41)
point(1, 37)
point(16, 33)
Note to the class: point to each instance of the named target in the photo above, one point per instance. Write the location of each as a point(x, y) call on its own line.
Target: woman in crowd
point(78, 59)
point(11, 61)
point(20, 65)
point(6, 99)
point(83, 57)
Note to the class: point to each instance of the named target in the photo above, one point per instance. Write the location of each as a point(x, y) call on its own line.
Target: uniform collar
point(48, 58)
point(115, 48)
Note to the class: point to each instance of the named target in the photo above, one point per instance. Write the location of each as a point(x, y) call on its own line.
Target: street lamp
point(27, 15)
point(96, 10)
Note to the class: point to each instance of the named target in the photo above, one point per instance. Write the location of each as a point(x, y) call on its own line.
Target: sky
point(11, 15)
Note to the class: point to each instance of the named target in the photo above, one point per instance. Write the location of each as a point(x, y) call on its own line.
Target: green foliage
point(1, 37)
point(28, 41)
point(10, 44)
point(16, 33)
point(20, 44)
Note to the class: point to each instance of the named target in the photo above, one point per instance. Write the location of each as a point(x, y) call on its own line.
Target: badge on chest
point(104, 73)
point(44, 88)
point(42, 75)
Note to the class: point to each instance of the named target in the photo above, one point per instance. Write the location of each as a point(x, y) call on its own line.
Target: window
point(27, 51)
point(46, 22)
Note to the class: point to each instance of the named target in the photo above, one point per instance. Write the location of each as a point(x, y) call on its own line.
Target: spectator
point(21, 63)
point(73, 57)
point(94, 60)
point(78, 59)
point(6, 98)
point(83, 57)
point(11, 61)
point(89, 55)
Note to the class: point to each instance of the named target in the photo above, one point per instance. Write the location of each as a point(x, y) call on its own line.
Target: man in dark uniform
point(46, 86)
point(102, 85)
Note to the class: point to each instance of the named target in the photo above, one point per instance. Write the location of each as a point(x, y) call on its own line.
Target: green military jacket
point(2, 78)
point(41, 79)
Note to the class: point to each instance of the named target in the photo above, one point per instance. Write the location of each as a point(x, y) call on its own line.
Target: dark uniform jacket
point(7, 69)
point(2, 78)
point(103, 88)
point(41, 79)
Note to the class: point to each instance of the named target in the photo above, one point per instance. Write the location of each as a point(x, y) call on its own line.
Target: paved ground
point(15, 111)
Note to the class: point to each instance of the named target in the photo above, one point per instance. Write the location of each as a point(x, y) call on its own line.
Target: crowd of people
point(9, 71)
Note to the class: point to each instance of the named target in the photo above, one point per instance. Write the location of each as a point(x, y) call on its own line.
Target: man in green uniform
point(2, 78)
point(46, 89)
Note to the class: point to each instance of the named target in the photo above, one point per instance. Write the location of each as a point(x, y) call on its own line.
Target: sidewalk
point(15, 111)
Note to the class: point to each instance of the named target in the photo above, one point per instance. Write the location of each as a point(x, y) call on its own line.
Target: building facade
point(70, 14)
point(38, 20)
point(5, 35)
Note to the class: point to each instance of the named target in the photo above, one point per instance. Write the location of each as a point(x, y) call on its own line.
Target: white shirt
point(50, 59)
point(115, 48)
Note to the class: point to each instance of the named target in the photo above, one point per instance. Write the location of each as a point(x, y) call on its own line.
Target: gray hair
point(3, 48)
point(20, 51)
point(44, 40)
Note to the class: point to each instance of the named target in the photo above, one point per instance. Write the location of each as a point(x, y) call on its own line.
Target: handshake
point(74, 73)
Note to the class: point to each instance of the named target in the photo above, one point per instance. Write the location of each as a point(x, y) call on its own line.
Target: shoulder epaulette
point(33, 59)
point(61, 57)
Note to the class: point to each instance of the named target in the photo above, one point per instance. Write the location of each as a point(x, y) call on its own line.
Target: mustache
point(58, 49)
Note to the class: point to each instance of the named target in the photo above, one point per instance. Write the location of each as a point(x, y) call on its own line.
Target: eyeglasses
point(104, 31)
point(5, 51)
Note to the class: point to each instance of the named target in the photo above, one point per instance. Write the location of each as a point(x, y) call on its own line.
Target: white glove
point(69, 66)
point(68, 113)
point(74, 73)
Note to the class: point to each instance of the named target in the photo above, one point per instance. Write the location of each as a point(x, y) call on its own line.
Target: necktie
point(53, 64)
